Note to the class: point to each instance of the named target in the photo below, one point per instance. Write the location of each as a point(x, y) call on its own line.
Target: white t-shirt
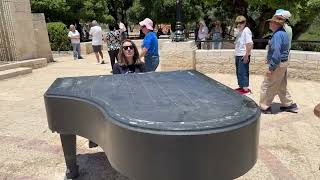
point(73, 34)
point(242, 39)
point(203, 32)
point(122, 27)
point(96, 33)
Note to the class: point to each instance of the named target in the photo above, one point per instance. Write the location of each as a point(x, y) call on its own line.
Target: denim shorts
point(151, 63)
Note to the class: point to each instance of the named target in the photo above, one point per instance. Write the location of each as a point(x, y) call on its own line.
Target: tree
point(164, 11)
point(258, 11)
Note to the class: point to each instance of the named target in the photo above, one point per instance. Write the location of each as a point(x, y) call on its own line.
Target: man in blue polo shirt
point(275, 81)
point(149, 46)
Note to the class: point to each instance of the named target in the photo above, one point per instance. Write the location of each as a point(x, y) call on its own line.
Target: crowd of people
point(120, 49)
point(125, 57)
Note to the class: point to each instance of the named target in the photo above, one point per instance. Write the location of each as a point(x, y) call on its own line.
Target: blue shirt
point(150, 42)
point(278, 48)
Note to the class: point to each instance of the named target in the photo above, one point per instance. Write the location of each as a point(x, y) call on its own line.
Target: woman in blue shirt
point(149, 46)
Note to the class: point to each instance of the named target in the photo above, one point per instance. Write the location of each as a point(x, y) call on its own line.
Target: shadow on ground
point(97, 167)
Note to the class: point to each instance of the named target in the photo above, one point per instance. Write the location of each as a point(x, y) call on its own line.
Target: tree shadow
point(96, 166)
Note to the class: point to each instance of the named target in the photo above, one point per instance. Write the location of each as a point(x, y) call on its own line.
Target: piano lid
point(164, 101)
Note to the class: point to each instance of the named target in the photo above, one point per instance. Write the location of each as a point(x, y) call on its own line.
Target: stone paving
point(289, 143)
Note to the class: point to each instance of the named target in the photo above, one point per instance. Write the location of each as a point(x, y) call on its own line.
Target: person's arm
point(249, 45)
point(275, 57)
point(145, 47)
point(77, 36)
point(143, 53)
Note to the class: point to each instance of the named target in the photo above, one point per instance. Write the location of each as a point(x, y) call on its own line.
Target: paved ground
point(289, 143)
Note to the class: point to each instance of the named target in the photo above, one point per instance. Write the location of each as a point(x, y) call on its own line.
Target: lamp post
point(178, 35)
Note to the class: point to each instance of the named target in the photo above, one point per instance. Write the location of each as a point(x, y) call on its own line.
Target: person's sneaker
point(292, 108)
point(80, 57)
point(102, 62)
point(238, 89)
point(266, 111)
point(245, 91)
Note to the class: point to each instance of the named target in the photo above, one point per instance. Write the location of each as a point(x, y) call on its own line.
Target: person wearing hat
point(275, 81)
point(243, 46)
point(285, 15)
point(149, 46)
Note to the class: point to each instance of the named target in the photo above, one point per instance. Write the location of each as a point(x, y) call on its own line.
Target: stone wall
point(23, 29)
point(7, 39)
point(23, 35)
point(303, 64)
point(42, 40)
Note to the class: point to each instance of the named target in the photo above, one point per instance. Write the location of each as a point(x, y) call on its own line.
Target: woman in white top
point(74, 36)
point(243, 46)
point(203, 34)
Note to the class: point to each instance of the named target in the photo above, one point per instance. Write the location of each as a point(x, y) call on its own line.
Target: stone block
point(301, 55)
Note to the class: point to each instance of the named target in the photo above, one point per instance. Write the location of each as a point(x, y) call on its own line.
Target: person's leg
point(101, 54)
point(284, 94)
point(148, 63)
point(112, 55)
point(244, 74)
point(78, 50)
point(155, 62)
point(269, 89)
point(96, 50)
point(287, 103)
point(219, 45)
point(237, 60)
point(74, 49)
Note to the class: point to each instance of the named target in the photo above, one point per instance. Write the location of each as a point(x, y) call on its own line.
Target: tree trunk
point(300, 28)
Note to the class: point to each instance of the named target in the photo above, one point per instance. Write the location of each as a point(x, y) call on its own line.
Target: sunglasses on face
point(127, 47)
point(241, 22)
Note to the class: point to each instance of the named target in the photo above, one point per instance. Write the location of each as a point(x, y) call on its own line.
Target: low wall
point(32, 63)
point(303, 64)
point(86, 47)
point(184, 55)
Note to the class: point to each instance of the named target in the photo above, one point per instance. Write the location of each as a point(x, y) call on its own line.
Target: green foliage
point(54, 10)
point(164, 11)
point(306, 46)
point(94, 9)
point(58, 36)
point(313, 33)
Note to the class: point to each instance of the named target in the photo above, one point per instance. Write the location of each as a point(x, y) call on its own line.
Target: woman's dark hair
point(113, 27)
point(122, 59)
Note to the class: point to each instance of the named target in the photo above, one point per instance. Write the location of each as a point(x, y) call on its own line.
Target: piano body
point(179, 125)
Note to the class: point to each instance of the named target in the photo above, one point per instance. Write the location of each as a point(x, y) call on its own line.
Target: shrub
point(306, 46)
point(58, 36)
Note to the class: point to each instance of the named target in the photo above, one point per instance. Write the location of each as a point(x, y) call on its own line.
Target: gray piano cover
point(178, 125)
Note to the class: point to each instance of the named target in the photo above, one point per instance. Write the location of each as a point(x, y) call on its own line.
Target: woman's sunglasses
point(127, 47)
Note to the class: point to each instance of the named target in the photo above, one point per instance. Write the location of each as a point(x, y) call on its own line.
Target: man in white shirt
point(74, 36)
point(96, 33)
point(123, 30)
point(243, 46)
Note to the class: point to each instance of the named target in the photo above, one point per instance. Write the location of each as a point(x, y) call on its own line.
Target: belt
point(284, 60)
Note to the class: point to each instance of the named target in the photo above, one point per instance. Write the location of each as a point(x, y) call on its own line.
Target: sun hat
point(277, 19)
point(284, 13)
point(147, 23)
point(240, 19)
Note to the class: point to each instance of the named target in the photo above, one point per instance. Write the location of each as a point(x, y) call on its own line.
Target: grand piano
point(179, 125)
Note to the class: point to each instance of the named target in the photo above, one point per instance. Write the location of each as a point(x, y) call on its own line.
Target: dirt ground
point(289, 145)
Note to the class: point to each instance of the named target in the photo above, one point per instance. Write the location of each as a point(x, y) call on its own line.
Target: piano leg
point(68, 142)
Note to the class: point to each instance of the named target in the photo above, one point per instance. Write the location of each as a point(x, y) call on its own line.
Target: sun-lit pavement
point(289, 143)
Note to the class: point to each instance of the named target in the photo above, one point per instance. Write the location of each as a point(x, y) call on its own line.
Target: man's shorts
point(96, 48)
